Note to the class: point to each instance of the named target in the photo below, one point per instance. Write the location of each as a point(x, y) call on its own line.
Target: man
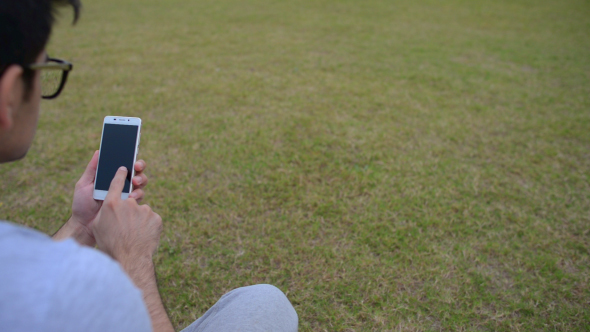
point(63, 283)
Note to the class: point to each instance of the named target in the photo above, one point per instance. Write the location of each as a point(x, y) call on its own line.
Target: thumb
point(90, 172)
point(117, 184)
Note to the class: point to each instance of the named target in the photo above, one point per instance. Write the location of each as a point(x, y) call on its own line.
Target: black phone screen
point(117, 149)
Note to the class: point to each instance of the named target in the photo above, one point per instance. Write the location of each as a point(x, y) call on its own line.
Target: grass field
point(390, 165)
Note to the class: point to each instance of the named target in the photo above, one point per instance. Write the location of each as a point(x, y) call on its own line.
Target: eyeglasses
point(54, 74)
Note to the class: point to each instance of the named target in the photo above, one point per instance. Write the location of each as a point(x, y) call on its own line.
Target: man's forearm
point(72, 229)
point(142, 272)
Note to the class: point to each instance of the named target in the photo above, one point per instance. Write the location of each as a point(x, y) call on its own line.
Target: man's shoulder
point(55, 282)
point(22, 246)
point(28, 255)
point(10, 232)
point(33, 263)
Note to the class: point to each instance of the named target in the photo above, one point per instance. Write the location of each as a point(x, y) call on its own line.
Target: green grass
point(390, 165)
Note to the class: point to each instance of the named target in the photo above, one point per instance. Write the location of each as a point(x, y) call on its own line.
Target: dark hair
point(25, 26)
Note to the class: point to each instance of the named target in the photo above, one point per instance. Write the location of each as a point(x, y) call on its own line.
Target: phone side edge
point(137, 140)
point(94, 191)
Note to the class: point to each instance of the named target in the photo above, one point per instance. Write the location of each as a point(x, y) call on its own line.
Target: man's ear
point(11, 94)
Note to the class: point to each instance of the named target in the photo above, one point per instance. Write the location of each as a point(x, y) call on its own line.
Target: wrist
point(140, 269)
point(74, 229)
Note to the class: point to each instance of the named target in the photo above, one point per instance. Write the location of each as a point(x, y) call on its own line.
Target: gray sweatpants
point(252, 308)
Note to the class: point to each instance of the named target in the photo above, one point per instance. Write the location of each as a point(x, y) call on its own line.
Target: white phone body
point(119, 144)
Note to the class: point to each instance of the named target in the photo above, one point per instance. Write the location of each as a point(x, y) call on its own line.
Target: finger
point(117, 184)
point(137, 194)
point(140, 181)
point(90, 172)
point(140, 166)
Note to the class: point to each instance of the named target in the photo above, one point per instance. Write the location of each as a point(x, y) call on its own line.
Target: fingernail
point(122, 168)
point(138, 179)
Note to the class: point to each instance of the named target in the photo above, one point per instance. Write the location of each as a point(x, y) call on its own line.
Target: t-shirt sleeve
point(94, 294)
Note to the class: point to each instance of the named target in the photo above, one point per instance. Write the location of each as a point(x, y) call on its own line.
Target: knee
point(272, 301)
point(266, 292)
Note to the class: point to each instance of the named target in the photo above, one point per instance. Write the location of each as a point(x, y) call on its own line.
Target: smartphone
point(118, 147)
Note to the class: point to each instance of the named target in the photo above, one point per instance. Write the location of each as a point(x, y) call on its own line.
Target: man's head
point(25, 26)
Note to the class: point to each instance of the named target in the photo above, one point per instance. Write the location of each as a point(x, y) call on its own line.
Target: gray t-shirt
point(61, 286)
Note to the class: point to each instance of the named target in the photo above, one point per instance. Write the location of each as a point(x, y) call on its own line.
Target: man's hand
point(130, 233)
point(126, 231)
point(85, 208)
